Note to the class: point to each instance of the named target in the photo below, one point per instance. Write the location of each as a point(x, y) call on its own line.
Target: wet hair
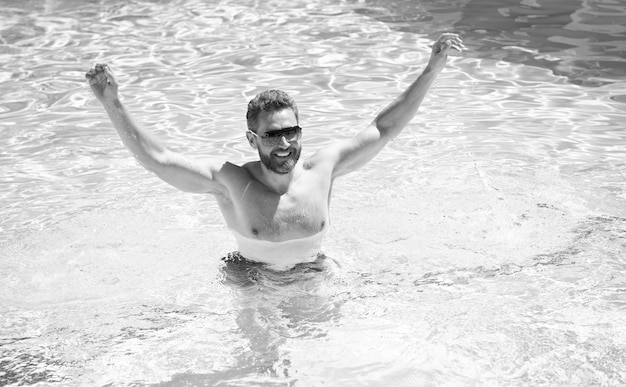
point(268, 101)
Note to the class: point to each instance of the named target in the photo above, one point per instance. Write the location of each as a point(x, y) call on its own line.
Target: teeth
point(282, 154)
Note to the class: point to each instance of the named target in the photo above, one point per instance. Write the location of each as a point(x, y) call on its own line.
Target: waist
point(280, 255)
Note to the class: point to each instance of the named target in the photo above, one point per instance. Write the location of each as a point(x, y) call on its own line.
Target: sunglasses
point(274, 137)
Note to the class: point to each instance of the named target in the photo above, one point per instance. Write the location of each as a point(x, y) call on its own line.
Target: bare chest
point(300, 212)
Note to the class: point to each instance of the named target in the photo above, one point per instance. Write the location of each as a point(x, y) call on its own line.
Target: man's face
point(282, 157)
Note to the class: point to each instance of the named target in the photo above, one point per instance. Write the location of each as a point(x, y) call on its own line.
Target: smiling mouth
point(283, 154)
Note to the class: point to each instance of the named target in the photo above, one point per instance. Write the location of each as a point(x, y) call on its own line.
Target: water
point(484, 246)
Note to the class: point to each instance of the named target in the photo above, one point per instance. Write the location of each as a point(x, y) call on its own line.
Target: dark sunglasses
point(273, 138)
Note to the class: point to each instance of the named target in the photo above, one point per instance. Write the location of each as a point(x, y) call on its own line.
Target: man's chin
point(283, 167)
point(280, 165)
point(276, 165)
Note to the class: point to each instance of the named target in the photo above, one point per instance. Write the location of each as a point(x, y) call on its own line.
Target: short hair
point(268, 101)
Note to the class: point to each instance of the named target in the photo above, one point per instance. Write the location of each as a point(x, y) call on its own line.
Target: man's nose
point(283, 142)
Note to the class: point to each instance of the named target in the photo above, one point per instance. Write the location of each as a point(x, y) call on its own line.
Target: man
point(277, 207)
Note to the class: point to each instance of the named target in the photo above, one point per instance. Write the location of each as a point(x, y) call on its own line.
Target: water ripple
point(492, 228)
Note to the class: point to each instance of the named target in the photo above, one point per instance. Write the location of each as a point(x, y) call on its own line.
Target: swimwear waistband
point(280, 255)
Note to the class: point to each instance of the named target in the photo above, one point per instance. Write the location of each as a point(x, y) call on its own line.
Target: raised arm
point(182, 172)
point(351, 154)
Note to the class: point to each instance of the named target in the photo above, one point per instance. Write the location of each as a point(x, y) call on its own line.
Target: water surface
point(485, 245)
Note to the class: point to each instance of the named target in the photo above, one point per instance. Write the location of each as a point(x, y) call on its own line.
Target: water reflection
point(455, 240)
point(582, 40)
point(274, 309)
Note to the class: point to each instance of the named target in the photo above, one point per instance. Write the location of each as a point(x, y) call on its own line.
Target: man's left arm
point(351, 154)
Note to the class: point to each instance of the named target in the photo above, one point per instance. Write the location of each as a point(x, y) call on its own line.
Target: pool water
point(486, 245)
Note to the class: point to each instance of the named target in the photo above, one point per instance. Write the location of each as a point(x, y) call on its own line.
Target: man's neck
point(277, 182)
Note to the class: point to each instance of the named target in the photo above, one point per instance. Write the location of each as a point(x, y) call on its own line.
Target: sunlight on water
point(485, 245)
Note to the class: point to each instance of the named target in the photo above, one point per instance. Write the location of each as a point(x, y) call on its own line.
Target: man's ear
point(251, 139)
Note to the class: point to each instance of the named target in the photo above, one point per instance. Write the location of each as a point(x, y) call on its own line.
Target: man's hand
point(442, 47)
point(102, 83)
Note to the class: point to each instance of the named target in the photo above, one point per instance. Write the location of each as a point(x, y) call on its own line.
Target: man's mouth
point(282, 154)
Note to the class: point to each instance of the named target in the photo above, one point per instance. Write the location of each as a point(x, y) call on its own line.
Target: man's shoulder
point(226, 171)
point(323, 159)
point(243, 169)
point(248, 167)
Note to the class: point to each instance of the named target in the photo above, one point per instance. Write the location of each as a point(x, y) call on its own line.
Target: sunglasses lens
point(270, 141)
point(290, 134)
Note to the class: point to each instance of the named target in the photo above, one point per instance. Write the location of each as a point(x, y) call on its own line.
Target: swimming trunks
point(280, 255)
point(245, 273)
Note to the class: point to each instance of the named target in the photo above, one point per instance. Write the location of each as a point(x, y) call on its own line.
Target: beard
point(281, 165)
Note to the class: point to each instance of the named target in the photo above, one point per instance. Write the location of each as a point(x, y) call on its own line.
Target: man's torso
point(255, 211)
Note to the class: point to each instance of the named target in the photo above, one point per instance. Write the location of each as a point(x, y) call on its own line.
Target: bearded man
point(276, 207)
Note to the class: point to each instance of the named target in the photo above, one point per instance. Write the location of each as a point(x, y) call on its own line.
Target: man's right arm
point(176, 169)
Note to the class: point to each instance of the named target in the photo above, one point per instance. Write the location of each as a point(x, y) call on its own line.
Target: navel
point(255, 232)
